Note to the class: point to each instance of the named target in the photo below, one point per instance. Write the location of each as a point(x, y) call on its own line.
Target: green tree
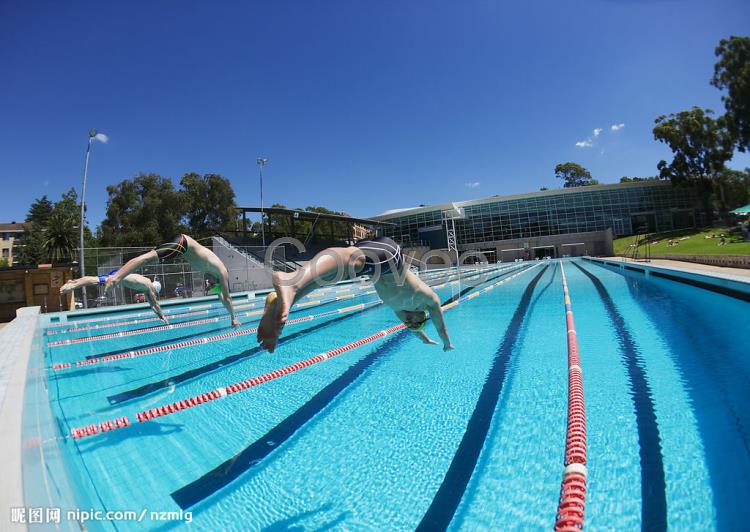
point(208, 202)
point(736, 187)
point(52, 231)
point(143, 211)
point(60, 236)
point(574, 175)
point(700, 144)
point(732, 72)
point(40, 210)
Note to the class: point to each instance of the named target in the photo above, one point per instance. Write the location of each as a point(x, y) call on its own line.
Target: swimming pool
point(378, 436)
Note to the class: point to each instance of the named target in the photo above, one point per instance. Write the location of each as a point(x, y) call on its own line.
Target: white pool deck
point(720, 272)
point(15, 347)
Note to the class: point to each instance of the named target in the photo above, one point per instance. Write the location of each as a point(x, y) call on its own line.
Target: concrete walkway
point(15, 346)
point(690, 266)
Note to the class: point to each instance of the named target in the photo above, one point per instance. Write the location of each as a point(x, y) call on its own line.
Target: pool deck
point(15, 346)
point(692, 267)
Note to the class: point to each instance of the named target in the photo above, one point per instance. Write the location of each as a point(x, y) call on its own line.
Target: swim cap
point(157, 286)
point(216, 289)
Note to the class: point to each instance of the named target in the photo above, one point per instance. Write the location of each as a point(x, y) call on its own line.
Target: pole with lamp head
point(262, 161)
point(93, 134)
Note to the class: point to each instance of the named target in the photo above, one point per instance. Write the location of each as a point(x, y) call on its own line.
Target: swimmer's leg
point(290, 287)
point(226, 300)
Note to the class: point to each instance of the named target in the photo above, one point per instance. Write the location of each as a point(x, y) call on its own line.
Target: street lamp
point(93, 134)
point(261, 161)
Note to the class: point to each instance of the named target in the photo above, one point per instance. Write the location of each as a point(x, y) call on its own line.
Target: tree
point(732, 72)
point(736, 187)
point(40, 211)
point(626, 179)
point(60, 236)
point(143, 211)
point(701, 146)
point(208, 202)
point(574, 175)
point(52, 230)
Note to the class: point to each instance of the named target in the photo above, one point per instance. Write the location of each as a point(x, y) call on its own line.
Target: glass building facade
point(626, 208)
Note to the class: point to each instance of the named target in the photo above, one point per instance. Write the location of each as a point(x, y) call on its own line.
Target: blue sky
point(360, 107)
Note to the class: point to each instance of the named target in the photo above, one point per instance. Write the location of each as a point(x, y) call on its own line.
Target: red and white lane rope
point(223, 391)
point(233, 334)
point(570, 510)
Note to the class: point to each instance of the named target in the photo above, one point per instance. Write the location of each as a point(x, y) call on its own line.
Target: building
point(554, 223)
point(11, 236)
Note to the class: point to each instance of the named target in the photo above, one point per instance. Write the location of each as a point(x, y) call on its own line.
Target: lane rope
point(572, 503)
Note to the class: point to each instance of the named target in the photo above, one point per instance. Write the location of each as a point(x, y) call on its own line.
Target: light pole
point(261, 161)
point(92, 135)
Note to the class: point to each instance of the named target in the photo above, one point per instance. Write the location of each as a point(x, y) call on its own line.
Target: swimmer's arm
point(77, 283)
point(129, 267)
point(436, 313)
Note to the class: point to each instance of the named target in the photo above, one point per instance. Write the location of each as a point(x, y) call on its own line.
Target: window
point(5, 236)
point(6, 253)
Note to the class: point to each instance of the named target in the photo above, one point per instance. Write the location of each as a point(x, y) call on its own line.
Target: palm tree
point(60, 236)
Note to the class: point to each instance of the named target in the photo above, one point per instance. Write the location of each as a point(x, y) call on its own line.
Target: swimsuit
point(103, 278)
point(382, 252)
point(178, 246)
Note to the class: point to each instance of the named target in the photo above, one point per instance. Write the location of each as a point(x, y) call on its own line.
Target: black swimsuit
point(382, 252)
point(170, 250)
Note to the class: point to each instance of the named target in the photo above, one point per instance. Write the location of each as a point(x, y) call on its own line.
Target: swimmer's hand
point(447, 346)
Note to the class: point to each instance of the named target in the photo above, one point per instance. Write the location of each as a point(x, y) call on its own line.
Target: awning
point(741, 210)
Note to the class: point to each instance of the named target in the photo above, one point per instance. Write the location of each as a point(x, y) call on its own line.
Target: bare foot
point(236, 323)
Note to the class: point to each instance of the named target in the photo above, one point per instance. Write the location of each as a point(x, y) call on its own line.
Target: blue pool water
point(380, 437)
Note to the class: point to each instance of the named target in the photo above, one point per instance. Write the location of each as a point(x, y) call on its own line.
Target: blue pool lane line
point(152, 387)
point(653, 483)
point(225, 473)
point(231, 469)
point(451, 490)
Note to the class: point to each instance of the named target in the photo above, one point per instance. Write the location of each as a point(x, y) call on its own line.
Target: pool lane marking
point(171, 408)
point(232, 468)
point(653, 483)
point(204, 340)
point(145, 320)
point(133, 353)
point(222, 363)
point(183, 311)
point(445, 502)
point(192, 373)
point(179, 325)
point(572, 501)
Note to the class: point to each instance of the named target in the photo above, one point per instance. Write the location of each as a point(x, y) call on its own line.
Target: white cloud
point(101, 137)
point(584, 143)
point(472, 184)
point(617, 127)
point(597, 132)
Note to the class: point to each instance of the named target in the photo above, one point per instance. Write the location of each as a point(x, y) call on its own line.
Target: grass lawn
point(697, 244)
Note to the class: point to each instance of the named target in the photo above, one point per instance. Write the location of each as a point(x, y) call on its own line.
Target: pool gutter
point(15, 347)
point(737, 286)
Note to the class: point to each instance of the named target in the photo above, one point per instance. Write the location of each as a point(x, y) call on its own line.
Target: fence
point(176, 276)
